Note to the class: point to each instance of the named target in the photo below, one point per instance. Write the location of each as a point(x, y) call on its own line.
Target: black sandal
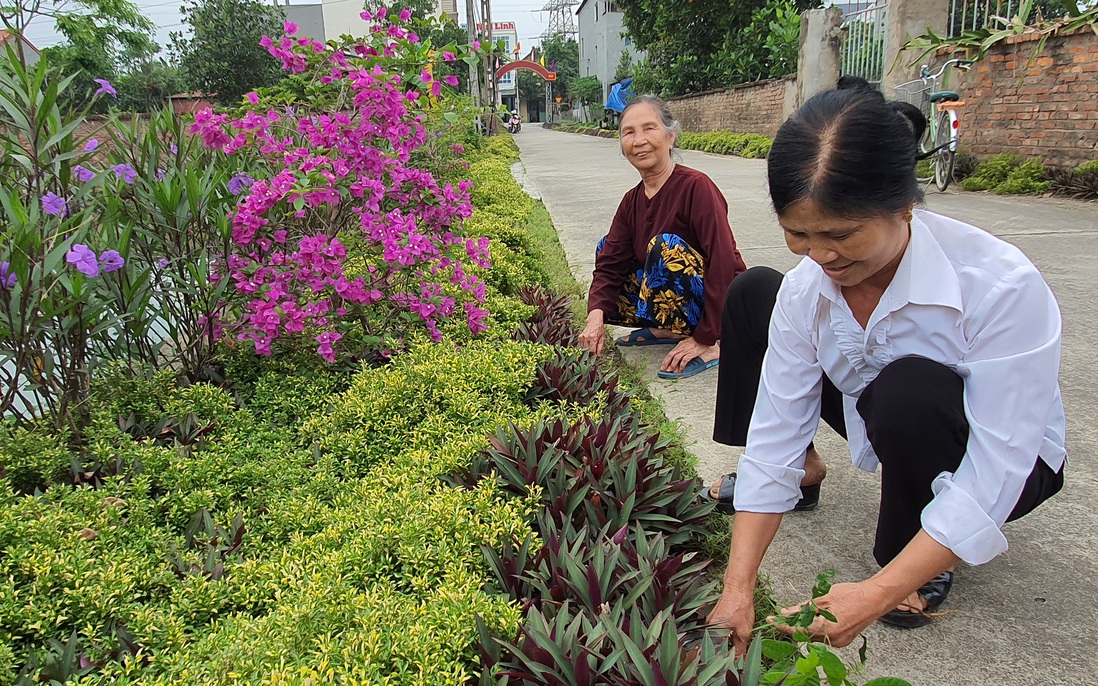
point(934, 592)
point(810, 496)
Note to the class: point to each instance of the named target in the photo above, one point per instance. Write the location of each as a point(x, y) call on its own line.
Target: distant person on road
point(670, 254)
point(930, 345)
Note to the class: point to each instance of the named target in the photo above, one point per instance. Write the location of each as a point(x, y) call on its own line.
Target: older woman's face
point(645, 141)
point(849, 250)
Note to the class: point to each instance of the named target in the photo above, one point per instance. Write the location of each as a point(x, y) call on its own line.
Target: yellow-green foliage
point(726, 143)
point(429, 397)
point(1009, 174)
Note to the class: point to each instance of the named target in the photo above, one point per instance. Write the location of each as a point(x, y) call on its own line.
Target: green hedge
point(749, 145)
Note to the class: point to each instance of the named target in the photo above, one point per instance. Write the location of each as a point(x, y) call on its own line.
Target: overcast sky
point(529, 21)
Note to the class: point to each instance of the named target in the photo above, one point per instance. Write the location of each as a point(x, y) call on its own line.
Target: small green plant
point(1009, 174)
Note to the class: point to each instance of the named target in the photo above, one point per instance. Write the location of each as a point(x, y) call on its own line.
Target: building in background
point(601, 40)
point(331, 19)
point(30, 53)
point(508, 85)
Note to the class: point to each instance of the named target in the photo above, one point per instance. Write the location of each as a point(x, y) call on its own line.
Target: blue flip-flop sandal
point(694, 366)
point(644, 337)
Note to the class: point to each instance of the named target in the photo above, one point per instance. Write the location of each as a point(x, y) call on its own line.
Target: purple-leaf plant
point(337, 236)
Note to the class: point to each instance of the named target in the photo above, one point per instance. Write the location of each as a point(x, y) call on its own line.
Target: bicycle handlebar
point(961, 64)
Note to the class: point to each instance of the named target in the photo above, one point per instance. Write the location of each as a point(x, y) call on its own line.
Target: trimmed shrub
point(1009, 174)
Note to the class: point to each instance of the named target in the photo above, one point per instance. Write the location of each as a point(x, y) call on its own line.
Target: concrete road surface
point(1028, 618)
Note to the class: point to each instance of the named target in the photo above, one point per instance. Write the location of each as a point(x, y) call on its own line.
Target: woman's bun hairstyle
point(912, 115)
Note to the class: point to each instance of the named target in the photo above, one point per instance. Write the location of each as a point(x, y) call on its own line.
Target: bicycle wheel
point(944, 158)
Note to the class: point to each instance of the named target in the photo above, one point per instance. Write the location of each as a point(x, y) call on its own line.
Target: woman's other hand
point(593, 336)
point(686, 350)
point(855, 606)
point(735, 611)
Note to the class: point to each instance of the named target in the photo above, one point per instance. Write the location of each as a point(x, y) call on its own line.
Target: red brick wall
point(747, 108)
point(1052, 113)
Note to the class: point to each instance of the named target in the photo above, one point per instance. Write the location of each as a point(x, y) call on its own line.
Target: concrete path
point(1028, 617)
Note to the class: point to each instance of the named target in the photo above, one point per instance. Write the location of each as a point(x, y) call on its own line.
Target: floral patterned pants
point(668, 292)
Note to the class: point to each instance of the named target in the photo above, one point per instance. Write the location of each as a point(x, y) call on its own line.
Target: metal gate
point(864, 43)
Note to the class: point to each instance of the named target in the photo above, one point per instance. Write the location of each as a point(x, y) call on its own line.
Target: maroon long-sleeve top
point(688, 205)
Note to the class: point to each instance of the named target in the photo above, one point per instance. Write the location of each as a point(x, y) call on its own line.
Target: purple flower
point(105, 87)
point(125, 172)
point(290, 28)
point(239, 183)
point(7, 277)
point(54, 204)
point(82, 257)
point(111, 261)
point(91, 145)
point(405, 14)
point(83, 174)
point(174, 149)
point(162, 262)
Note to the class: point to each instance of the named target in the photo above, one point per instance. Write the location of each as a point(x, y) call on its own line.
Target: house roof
point(6, 36)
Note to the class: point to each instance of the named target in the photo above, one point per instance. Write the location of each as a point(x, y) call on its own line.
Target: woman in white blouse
point(932, 346)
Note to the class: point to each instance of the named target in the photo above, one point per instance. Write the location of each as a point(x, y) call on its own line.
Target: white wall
point(601, 42)
point(342, 17)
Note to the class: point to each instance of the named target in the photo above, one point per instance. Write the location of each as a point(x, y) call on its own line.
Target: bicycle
point(939, 143)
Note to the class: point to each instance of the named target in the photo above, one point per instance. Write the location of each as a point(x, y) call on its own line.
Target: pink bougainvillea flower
point(91, 145)
point(82, 257)
point(366, 16)
point(448, 56)
point(476, 45)
point(425, 76)
point(290, 28)
point(105, 87)
point(111, 261)
point(83, 174)
point(405, 14)
point(54, 204)
point(252, 98)
point(450, 80)
point(436, 89)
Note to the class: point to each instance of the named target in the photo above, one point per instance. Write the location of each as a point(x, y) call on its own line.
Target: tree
point(147, 86)
point(683, 40)
point(625, 65)
point(223, 57)
point(586, 89)
point(101, 38)
point(563, 53)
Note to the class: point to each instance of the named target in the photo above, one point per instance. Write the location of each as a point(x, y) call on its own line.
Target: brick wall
point(1052, 113)
point(748, 108)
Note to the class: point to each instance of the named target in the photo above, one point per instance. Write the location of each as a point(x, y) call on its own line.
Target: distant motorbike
point(514, 126)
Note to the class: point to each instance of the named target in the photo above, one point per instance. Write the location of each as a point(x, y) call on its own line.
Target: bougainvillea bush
point(339, 236)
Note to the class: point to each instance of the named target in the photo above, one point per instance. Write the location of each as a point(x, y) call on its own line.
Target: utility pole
point(489, 62)
point(471, 31)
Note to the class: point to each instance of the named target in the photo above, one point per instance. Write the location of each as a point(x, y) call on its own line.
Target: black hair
point(856, 83)
point(850, 151)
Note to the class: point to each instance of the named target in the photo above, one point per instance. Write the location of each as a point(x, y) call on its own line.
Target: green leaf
point(832, 665)
point(778, 650)
point(887, 681)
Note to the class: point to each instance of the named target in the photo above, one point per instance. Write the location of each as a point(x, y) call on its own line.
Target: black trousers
point(913, 413)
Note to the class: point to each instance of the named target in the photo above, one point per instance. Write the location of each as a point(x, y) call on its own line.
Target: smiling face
point(849, 250)
point(645, 141)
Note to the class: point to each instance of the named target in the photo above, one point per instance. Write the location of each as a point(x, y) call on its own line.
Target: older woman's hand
point(686, 350)
point(593, 336)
